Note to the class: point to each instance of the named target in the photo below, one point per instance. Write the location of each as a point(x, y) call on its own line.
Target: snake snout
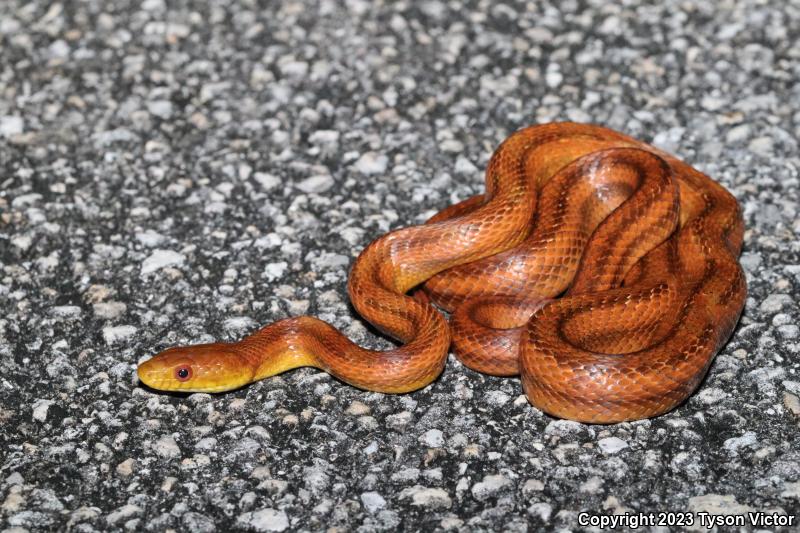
point(153, 373)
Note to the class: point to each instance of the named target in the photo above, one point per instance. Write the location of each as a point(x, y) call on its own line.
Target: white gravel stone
point(316, 184)
point(66, 311)
point(464, 167)
point(430, 498)
point(791, 386)
point(167, 448)
point(489, 486)
point(405, 475)
point(266, 181)
point(316, 479)
point(123, 513)
point(371, 163)
point(119, 135)
point(357, 408)
point(326, 140)
point(59, 49)
point(109, 310)
point(23, 242)
point(372, 501)
point(294, 69)
point(372, 447)
point(115, 334)
point(160, 259)
point(40, 408)
point(150, 238)
point(789, 331)
point(791, 490)
point(761, 145)
point(153, 5)
point(735, 444)
point(532, 485)
point(751, 261)
point(541, 510)
point(433, 438)
point(238, 323)
point(452, 146)
point(711, 395)
point(167, 29)
point(198, 523)
point(497, 398)
point(265, 520)
point(125, 468)
point(275, 271)
point(26, 200)
point(591, 485)
point(718, 504)
point(553, 78)
point(792, 403)
point(400, 420)
point(611, 445)
point(11, 125)
point(563, 427)
point(160, 108)
point(775, 302)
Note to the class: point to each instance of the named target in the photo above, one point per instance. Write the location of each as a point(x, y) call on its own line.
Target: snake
point(599, 269)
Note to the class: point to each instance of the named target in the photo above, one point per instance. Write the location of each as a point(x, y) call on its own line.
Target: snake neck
point(309, 342)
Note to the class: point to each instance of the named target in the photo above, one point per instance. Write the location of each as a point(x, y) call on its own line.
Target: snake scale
point(600, 269)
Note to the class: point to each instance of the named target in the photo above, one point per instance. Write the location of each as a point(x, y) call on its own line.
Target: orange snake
point(599, 268)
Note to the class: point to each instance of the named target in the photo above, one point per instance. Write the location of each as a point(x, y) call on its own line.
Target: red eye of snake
point(183, 373)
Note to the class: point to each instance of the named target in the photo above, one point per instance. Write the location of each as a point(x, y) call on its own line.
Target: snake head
point(200, 368)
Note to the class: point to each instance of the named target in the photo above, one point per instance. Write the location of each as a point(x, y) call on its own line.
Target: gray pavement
point(176, 172)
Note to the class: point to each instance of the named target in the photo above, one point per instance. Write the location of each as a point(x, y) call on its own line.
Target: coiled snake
point(600, 269)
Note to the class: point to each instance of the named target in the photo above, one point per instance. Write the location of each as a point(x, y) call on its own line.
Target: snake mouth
point(152, 374)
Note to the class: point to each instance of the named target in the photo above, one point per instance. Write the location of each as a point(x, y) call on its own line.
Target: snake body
point(599, 268)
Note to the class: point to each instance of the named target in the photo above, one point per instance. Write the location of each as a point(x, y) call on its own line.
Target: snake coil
point(602, 270)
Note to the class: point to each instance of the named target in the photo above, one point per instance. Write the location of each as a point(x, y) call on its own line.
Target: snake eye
point(183, 373)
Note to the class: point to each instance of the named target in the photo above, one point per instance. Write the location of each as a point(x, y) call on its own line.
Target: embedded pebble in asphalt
point(185, 172)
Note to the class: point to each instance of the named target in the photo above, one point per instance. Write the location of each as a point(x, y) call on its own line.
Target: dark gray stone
point(177, 172)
